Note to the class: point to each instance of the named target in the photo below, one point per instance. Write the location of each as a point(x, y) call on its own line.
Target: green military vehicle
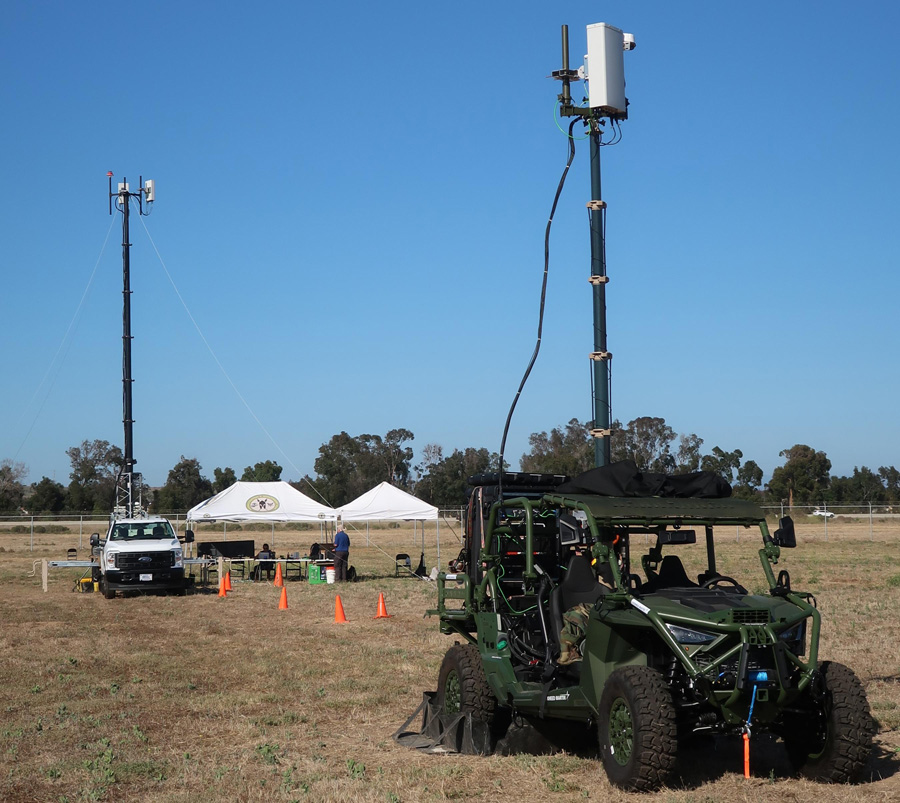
point(664, 654)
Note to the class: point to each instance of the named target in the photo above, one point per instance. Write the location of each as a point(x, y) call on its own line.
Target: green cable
point(556, 120)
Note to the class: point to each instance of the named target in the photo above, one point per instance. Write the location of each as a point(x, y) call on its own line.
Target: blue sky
point(351, 200)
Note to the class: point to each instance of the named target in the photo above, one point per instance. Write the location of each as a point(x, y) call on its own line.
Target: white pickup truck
point(141, 554)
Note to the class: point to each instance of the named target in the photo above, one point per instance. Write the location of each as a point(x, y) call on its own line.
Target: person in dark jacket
point(264, 556)
point(341, 554)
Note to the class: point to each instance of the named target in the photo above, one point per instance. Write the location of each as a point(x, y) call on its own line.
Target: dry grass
point(179, 699)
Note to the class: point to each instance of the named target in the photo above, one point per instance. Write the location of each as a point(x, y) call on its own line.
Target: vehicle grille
point(144, 561)
point(749, 616)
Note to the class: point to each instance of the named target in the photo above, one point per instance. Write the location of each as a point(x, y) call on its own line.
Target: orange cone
point(282, 603)
point(222, 586)
point(228, 581)
point(382, 608)
point(279, 580)
point(339, 610)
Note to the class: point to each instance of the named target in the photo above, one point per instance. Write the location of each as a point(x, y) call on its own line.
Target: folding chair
point(402, 561)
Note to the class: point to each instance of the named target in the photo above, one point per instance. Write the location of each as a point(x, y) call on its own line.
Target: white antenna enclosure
point(149, 191)
point(605, 68)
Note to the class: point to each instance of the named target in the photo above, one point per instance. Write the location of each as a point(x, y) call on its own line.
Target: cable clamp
point(596, 206)
point(595, 280)
point(600, 356)
point(601, 433)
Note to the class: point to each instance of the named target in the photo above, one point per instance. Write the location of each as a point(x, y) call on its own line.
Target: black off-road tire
point(106, 590)
point(833, 742)
point(462, 685)
point(637, 729)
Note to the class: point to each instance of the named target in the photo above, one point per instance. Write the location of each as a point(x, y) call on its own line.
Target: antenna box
point(605, 69)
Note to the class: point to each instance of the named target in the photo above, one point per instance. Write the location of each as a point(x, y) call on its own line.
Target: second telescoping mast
point(128, 482)
point(607, 106)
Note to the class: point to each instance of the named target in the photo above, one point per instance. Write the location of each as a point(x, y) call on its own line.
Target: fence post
point(871, 537)
point(32, 533)
point(44, 574)
point(80, 529)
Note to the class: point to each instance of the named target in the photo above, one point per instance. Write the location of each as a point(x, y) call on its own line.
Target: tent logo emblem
point(262, 504)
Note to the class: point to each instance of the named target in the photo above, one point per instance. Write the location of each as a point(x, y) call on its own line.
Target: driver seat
point(672, 574)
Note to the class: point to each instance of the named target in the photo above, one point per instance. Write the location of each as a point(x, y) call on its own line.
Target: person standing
point(341, 554)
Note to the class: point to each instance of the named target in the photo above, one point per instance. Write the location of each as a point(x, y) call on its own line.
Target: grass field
point(183, 699)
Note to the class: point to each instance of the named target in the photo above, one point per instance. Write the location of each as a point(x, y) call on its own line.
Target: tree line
point(348, 466)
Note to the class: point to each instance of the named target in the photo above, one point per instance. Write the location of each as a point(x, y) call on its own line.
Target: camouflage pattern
point(572, 634)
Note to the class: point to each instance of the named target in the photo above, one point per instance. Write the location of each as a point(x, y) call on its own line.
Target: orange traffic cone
point(339, 610)
point(382, 608)
point(228, 581)
point(282, 603)
point(222, 586)
point(279, 580)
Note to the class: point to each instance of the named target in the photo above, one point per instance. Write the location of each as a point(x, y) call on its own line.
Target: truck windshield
point(142, 530)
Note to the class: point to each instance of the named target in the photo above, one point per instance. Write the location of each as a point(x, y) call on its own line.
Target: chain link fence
point(858, 520)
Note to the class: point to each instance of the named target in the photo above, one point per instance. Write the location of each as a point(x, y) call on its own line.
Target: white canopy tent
point(387, 503)
point(261, 501)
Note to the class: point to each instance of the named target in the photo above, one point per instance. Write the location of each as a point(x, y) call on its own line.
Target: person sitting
point(575, 618)
point(265, 556)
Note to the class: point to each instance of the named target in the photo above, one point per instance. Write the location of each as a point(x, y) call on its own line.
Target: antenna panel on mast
point(605, 68)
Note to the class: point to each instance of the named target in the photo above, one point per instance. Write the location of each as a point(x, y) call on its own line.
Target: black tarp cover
point(624, 479)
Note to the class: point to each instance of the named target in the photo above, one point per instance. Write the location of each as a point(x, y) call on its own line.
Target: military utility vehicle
point(674, 644)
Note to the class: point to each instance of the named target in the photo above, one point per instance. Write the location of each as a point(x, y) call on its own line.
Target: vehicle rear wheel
point(637, 729)
point(105, 589)
point(462, 685)
point(832, 743)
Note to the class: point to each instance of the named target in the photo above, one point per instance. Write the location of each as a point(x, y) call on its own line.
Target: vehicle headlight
point(178, 556)
point(111, 559)
point(796, 634)
point(684, 635)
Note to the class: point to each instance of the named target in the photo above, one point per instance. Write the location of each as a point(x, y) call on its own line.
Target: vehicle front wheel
point(637, 729)
point(831, 743)
point(105, 589)
point(462, 685)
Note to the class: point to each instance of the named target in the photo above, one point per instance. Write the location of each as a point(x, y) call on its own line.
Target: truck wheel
point(832, 743)
point(637, 729)
point(105, 589)
point(462, 686)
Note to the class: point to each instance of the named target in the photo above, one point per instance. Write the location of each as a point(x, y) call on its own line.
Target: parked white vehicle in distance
point(826, 513)
point(140, 554)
